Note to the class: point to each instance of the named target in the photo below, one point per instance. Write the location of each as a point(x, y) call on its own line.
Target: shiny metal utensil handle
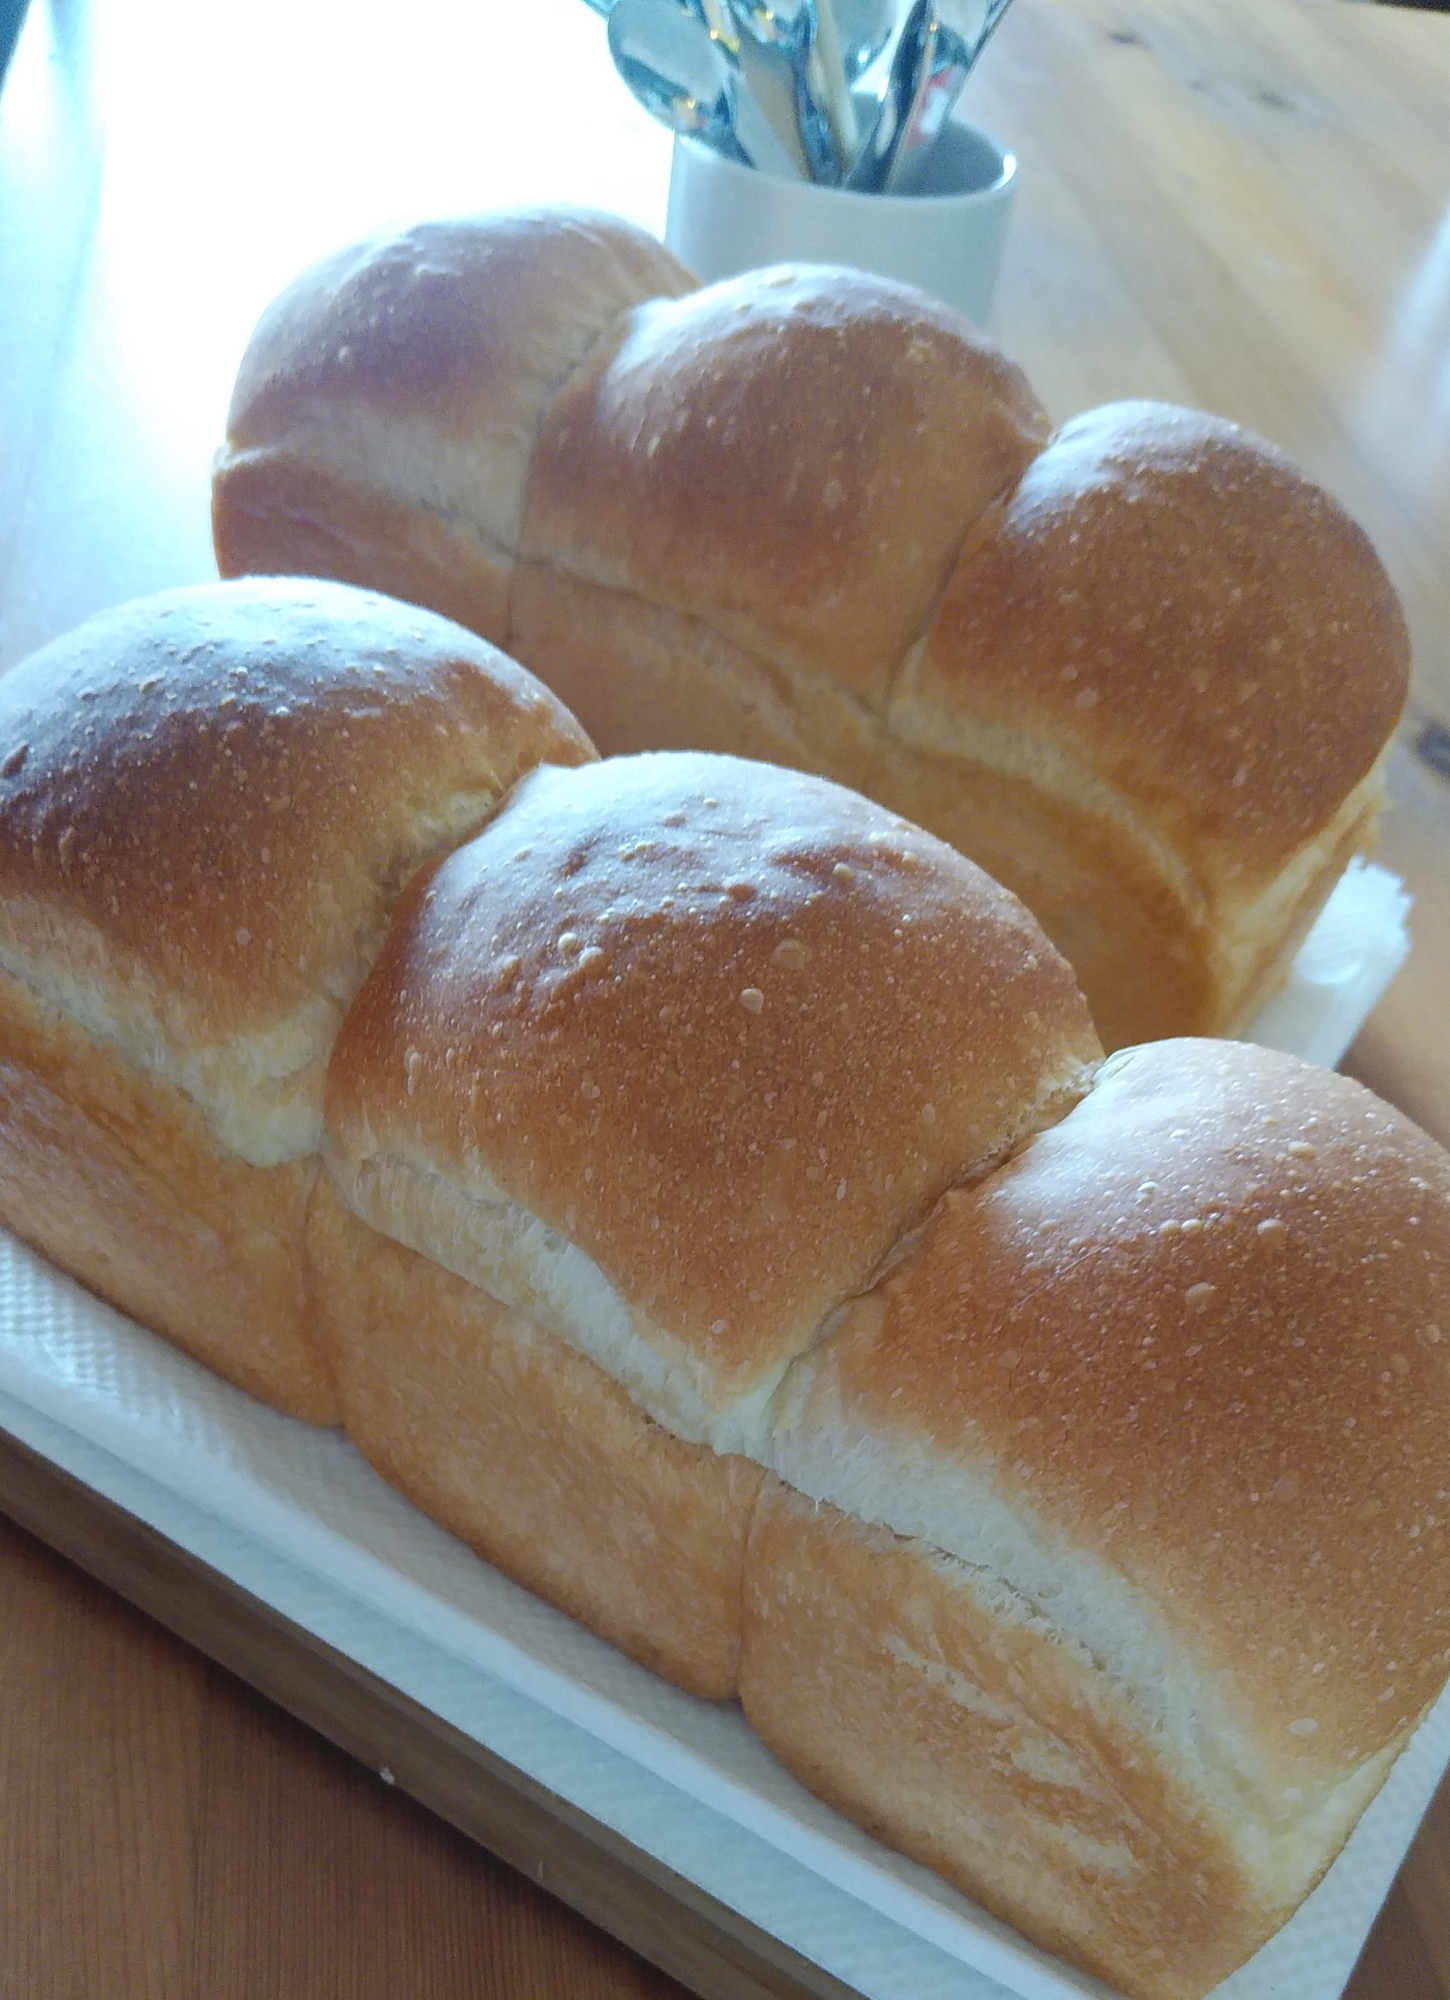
point(785, 33)
point(683, 62)
point(907, 78)
point(674, 69)
point(950, 64)
point(832, 86)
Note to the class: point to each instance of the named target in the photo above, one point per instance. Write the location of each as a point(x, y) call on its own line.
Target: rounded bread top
point(727, 1028)
point(210, 798)
point(419, 361)
point(1198, 1332)
point(791, 456)
point(1174, 606)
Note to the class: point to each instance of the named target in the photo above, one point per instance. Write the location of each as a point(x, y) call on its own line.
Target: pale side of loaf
point(114, 1173)
point(209, 801)
point(1133, 1488)
point(1142, 670)
point(532, 1454)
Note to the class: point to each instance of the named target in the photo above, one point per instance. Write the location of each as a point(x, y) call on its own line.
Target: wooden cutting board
point(660, 1914)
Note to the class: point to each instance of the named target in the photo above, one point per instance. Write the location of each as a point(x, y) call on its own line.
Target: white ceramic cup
point(949, 238)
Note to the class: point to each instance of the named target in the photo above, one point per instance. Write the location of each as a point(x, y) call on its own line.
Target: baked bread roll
point(1142, 670)
point(1111, 1572)
point(209, 801)
point(666, 1061)
point(386, 409)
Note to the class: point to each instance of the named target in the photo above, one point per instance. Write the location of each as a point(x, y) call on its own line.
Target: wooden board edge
point(667, 1919)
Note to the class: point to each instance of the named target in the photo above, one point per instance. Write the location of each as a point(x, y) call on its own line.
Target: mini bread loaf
point(209, 801)
point(1056, 1462)
point(1141, 669)
point(717, 1212)
point(665, 1062)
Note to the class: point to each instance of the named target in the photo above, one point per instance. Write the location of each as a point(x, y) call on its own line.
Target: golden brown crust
point(987, 1752)
point(208, 803)
point(1168, 635)
point(1170, 602)
point(792, 456)
point(208, 799)
point(416, 364)
point(1194, 1335)
point(531, 1454)
point(690, 1011)
point(114, 1176)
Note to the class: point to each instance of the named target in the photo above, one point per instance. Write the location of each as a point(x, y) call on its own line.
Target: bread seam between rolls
point(294, 1128)
point(778, 677)
point(115, 1000)
point(287, 450)
point(485, 1231)
point(1023, 755)
point(1116, 1619)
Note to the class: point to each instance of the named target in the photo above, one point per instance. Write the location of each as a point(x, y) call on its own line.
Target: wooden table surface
point(1243, 204)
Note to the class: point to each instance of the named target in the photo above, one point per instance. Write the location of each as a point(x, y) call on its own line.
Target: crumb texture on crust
point(1175, 1378)
point(721, 1030)
point(209, 801)
point(530, 1453)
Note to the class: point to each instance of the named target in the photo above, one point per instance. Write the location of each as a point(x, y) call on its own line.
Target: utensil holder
point(948, 238)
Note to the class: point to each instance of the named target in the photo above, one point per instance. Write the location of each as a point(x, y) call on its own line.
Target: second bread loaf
point(1142, 669)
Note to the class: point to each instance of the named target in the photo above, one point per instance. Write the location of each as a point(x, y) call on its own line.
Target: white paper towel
point(1341, 970)
point(216, 1470)
point(295, 1515)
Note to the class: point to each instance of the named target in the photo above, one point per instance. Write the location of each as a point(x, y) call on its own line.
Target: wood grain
point(588, 1866)
point(167, 1832)
point(1238, 203)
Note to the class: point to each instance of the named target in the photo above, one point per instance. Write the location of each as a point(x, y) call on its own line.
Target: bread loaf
point(726, 1224)
point(208, 803)
point(1141, 669)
